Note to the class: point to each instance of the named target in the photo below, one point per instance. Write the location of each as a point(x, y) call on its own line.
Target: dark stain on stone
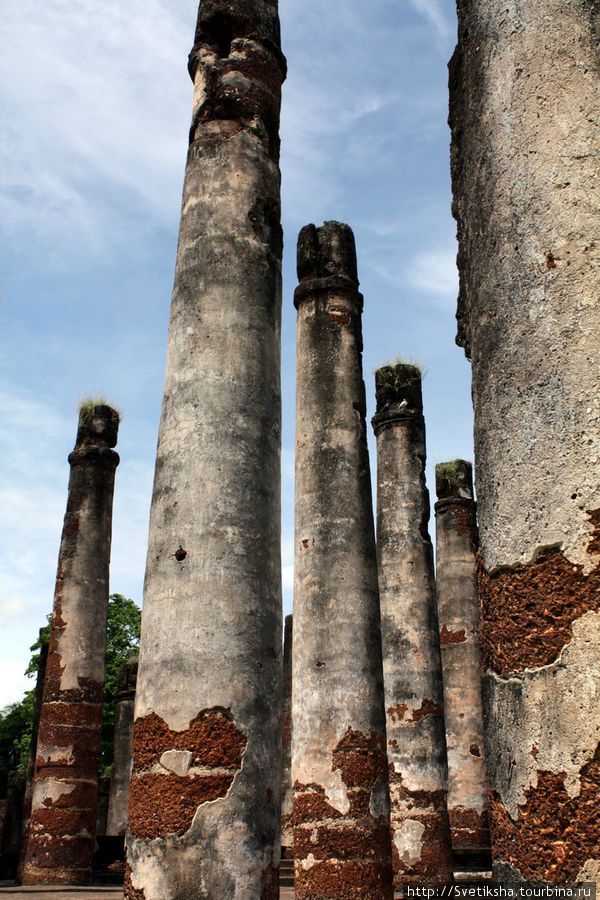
point(397, 713)
point(180, 554)
point(339, 315)
point(554, 834)
point(464, 512)
point(427, 708)
point(551, 260)
point(452, 637)
point(527, 613)
point(270, 889)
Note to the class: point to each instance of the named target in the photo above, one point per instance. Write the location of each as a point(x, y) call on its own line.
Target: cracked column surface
point(339, 766)
point(205, 797)
point(525, 95)
point(416, 742)
point(62, 823)
point(458, 617)
point(287, 794)
point(118, 799)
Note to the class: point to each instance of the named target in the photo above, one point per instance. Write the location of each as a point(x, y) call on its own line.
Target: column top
point(326, 261)
point(454, 480)
point(398, 393)
point(220, 22)
point(127, 679)
point(98, 426)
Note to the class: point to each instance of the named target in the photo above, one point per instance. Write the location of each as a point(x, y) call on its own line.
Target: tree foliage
point(16, 720)
point(122, 642)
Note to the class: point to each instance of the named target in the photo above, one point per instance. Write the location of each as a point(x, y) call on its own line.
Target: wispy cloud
point(97, 103)
point(434, 272)
point(433, 12)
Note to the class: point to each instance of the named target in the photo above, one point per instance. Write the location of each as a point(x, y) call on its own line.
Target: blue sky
point(97, 103)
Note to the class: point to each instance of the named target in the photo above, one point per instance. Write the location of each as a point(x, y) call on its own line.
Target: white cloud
point(97, 101)
point(13, 683)
point(433, 12)
point(434, 272)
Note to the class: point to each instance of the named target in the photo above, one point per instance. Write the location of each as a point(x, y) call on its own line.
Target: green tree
point(122, 642)
point(16, 720)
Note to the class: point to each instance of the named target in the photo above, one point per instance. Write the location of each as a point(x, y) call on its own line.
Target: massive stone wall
point(525, 95)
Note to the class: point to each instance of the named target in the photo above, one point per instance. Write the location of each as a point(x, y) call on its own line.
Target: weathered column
point(287, 794)
point(65, 791)
point(411, 652)
point(37, 710)
point(339, 766)
point(458, 617)
point(205, 798)
point(118, 800)
point(525, 90)
point(11, 828)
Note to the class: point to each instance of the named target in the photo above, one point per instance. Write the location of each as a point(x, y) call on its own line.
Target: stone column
point(411, 652)
point(118, 800)
point(63, 811)
point(525, 87)
point(287, 794)
point(339, 766)
point(205, 798)
point(37, 710)
point(458, 617)
point(11, 828)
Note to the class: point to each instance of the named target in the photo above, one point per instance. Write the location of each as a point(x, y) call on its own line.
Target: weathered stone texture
point(458, 618)
point(416, 743)
point(64, 801)
point(287, 793)
point(210, 652)
point(118, 801)
point(339, 765)
point(37, 711)
point(525, 101)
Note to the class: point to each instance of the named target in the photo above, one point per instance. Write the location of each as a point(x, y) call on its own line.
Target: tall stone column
point(458, 617)
point(525, 87)
point(118, 800)
point(63, 810)
point(287, 794)
point(339, 766)
point(205, 797)
point(416, 741)
point(37, 711)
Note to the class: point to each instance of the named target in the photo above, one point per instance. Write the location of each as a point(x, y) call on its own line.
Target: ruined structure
point(525, 86)
point(118, 801)
point(205, 796)
point(63, 810)
point(458, 618)
point(37, 711)
point(287, 794)
point(416, 743)
point(339, 766)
